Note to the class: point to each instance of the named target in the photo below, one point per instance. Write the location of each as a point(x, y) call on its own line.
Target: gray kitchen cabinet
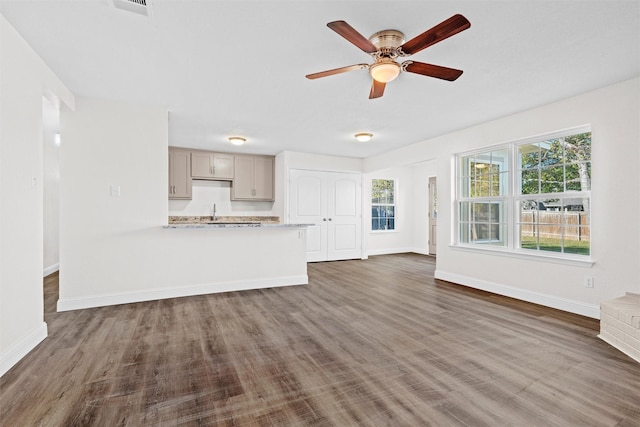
point(208, 165)
point(179, 173)
point(253, 178)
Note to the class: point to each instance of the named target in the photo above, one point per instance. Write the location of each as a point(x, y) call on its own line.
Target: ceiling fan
point(388, 45)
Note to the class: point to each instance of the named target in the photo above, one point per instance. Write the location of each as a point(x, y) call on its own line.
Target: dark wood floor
point(367, 343)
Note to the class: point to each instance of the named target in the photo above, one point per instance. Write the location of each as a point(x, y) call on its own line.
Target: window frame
point(512, 203)
point(394, 205)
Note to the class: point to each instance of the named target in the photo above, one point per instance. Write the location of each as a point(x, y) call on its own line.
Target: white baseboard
point(421, 251)
point(51, 269)
point(552, 301)
point(67, 304)
point(22, 347)
point(388, 251)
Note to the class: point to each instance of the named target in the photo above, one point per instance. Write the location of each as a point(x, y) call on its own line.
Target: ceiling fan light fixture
point(384, 70)
point(237, 140)
point(363, 136)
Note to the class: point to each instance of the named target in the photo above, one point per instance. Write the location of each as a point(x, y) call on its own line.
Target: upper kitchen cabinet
point(253, 178)
point(179, 173)
point(208, 165)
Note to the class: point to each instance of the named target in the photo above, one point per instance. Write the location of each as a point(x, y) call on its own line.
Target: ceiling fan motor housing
point(387, 39)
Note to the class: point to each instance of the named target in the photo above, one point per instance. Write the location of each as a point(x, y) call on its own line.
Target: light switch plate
point(115, 190)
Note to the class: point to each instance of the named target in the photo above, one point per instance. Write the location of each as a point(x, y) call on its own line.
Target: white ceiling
point(237, 67)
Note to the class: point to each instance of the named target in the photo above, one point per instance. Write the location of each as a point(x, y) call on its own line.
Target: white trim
point(67, 304)
point(530, 255)
point(620, 345)
point(17, 351)
point(51, 269)
point(388, 251)
point(422, 251)
point(552, 301)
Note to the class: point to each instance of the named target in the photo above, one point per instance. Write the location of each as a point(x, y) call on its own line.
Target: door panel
point(345, 197)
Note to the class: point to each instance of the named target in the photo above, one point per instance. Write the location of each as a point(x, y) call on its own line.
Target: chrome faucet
point(213, 217)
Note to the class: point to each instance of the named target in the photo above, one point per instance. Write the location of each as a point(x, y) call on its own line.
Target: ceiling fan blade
point(353, 36)
point(336, 71)
point(377, 89)
point(431, 70)
point(443, 30)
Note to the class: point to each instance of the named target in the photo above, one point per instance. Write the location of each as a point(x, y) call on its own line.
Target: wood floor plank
point(375, 342)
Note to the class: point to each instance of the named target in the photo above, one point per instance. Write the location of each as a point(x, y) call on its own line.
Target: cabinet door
point(242, 188)
point(201, 164)
point(263, 178)
point(179, 174)
point(253, 178)
point(222, 166)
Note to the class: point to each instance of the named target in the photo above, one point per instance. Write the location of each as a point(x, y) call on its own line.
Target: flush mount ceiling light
point(384, 70)
point(363, 136)
point(237, 140)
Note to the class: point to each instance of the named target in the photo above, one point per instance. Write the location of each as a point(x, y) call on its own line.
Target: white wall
point(614, 115)
point(113, 249)
point(398, 240)
point(206, 193)
point(24, 79)
point(51, 184)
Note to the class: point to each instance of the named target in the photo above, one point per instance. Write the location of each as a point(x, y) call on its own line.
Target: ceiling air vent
point(140, 7)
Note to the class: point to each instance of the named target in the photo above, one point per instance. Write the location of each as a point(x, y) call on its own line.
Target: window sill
point(575, 261)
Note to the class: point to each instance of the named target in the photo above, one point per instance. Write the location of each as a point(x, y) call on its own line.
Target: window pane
point(465, 186)
point(382, 217)
point(578, 242)
point(578, 176)
point(552, 179)
point(382, 191)
point(528, 155)
point(465, 209)
point(502, 188)
point(464, 232)
point(577, 147)
point(529, 181)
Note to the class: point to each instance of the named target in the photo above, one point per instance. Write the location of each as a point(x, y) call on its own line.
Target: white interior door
point(344, 216)
point(332, 202)
point(308, 205)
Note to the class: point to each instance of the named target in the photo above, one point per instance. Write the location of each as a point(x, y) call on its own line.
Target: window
point(541, 204)
point(383, 207)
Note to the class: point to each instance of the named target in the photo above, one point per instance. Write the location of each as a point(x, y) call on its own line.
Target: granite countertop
point(228, 222)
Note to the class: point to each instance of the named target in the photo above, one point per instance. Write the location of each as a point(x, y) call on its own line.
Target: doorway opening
point(433, 215)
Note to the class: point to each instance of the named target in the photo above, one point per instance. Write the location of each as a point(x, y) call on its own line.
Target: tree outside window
point(383, 208)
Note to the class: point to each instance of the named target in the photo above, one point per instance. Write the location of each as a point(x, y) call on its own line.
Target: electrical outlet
point(588, 281)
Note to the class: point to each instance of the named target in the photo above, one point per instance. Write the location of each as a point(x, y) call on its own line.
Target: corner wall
point(24, 80)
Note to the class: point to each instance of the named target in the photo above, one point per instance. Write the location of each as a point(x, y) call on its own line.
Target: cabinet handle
point(213, 170)
point(253, 192)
